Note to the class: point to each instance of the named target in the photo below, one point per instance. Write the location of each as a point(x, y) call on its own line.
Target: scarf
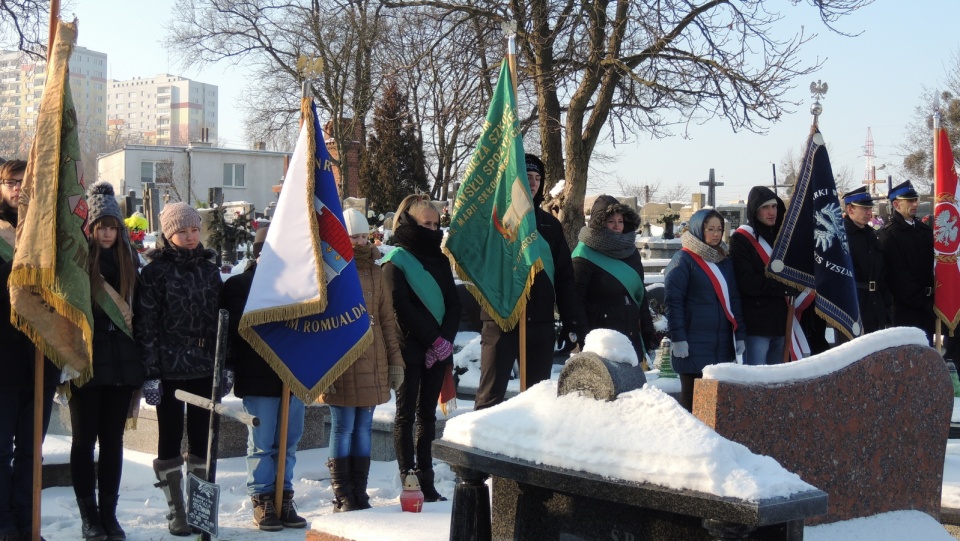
point(363, 256)
point(704, 250)
point(609, 243)
point(420, 241)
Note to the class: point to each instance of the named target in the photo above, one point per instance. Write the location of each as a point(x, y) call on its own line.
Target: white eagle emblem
point(945, 231)
point(829, 227)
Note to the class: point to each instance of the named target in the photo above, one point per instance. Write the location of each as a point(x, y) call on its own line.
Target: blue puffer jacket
point(695, 314)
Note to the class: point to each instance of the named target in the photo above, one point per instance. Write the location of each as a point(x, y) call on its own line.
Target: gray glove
point(395, 376)
point(152, 391)
point(741, 347)
point(680, 349)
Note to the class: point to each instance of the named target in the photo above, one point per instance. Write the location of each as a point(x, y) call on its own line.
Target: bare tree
point(645, 193)
point(333, 44)
point(789, 172)
point(644, 66)
point(24, 25)
point(678, 192)
point(917, 149)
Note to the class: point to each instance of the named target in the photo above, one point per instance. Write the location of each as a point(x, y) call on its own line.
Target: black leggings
point(98, 413)
point(686, 389)
point(170, 419)
point(417, 405)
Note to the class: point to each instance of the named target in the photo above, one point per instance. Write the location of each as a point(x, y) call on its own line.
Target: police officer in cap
point(868, 263)
point(908, 255)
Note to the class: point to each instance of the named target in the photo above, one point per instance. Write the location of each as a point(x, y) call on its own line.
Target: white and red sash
point(799, 348)
point(719, 285)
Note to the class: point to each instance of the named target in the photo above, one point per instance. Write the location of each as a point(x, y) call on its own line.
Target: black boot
point(108, 517)
point(91, 529)
point(430, 493)
point(359, 472)
point(288, 512)
point(342, 485)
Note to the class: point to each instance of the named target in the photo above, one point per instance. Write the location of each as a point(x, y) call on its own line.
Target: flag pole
point(38, 355)
point(938, 330)
point(510, 28)
point(788, 336)
point(285, 391)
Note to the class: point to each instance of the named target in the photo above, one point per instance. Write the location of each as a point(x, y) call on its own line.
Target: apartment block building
point(22, 80)
point(162, 110)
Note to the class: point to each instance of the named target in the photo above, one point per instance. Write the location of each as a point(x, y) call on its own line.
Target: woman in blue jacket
point(703, 305)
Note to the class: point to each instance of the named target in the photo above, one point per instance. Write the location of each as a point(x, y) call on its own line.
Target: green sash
point(116, 308)
point(8, 238)
point(624, 273)
point(420, 280)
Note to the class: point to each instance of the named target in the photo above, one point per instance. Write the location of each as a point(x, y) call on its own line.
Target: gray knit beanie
point(177, 216)
point(102, 202)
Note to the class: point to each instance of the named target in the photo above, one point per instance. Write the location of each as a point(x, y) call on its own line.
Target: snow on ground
point(142, 507)
point(893, 526)
point(819, 365)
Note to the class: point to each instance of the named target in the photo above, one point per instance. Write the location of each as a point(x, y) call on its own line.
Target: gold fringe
point(281, 313)
point(833, 323)
point(448, 407)
point(286, 376)
point(511, 321)
point(952, 325)
point(48, 351)
point(32, 277)
point(306, 113)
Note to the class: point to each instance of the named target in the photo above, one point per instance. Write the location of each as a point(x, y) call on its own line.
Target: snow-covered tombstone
point(606, 367)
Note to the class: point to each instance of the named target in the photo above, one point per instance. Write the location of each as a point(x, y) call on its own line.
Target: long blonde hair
point(414, 205)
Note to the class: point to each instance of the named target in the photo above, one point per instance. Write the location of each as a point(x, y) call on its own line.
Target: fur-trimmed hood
point(606, 206)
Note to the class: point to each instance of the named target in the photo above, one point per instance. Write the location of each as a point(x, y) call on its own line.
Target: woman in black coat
point(609, 274)
point(427, 305)
point(98, 408)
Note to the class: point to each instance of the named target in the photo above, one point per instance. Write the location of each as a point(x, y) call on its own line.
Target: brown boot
point(265, 512)
point(342, 485)
point(288, 512)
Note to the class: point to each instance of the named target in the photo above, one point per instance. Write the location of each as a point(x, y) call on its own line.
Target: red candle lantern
point(411, 499)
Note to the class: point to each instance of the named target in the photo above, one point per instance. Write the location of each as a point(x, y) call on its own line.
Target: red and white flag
point(946, 241)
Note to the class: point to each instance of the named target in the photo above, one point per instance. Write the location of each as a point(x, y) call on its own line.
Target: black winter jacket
point(175, 320)
point(252, 375)
point(763, 299)
point(868, 270)
point(418, 327)
point(908, 254)
point(116, 360)
point(17, 350)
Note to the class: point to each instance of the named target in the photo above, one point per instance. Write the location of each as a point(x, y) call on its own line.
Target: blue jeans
point(263, 443)
point(764, 350)
point(16, 456)
point(350, 429)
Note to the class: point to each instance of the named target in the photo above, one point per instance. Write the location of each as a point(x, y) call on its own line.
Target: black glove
point(152, 391)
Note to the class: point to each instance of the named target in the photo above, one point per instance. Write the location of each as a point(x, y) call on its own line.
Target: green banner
point(493, 230)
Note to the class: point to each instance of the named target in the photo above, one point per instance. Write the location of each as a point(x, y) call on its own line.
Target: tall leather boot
point(108, 517)
point(430, 493)
point(90, 528)
point(359, 472)
point(170, 481)
point(342, 485)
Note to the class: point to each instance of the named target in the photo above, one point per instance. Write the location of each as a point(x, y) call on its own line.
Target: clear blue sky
point(875, 80)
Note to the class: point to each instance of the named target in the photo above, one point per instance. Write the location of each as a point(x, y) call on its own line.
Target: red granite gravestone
point(871, 435)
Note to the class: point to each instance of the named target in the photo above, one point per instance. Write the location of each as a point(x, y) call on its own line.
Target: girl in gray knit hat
point(98, 409)
point(176, 328)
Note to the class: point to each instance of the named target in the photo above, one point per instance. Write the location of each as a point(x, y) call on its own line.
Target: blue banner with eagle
point(305, 314)
point(812, 249)
point(493, 235)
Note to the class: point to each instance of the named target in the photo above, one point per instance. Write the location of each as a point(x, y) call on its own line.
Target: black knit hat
point(102, 202)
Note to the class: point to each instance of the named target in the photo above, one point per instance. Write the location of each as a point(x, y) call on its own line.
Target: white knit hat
point(356, 223)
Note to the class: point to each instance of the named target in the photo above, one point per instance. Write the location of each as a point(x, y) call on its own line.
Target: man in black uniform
point(868, 265)
point(498, 349)
point(908, 255)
